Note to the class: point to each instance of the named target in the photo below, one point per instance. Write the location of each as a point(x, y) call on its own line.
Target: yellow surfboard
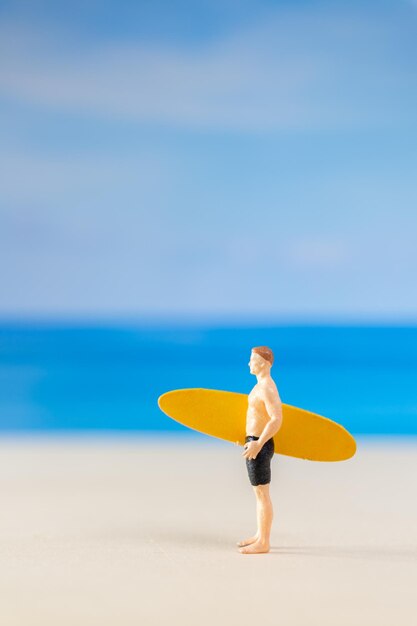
point(222, 414)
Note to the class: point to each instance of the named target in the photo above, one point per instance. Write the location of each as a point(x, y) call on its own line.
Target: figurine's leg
point(265, 515)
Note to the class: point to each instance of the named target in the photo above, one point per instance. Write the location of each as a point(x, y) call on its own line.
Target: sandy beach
point(138, 530)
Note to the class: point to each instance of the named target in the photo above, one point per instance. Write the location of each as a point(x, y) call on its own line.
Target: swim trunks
point(259, 469)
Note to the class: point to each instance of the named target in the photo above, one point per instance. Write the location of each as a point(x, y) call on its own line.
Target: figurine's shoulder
point(268, 389)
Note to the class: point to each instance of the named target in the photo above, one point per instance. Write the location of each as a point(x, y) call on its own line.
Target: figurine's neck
point(263, 376)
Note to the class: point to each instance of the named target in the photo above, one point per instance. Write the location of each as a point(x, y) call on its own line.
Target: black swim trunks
point(259, 469)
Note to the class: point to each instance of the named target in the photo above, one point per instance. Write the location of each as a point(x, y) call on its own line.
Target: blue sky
point(214, 159)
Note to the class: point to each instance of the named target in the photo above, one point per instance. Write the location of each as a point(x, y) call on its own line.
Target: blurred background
point(184, 180)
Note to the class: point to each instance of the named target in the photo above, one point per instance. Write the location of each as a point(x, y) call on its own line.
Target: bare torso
point(257, 415)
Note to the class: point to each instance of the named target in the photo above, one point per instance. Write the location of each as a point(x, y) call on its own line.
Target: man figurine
point(263, 420)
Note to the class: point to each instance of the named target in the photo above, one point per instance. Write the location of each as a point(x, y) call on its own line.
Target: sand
point(134, 530)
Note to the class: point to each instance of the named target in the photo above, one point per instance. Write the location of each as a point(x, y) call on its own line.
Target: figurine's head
point(261, 360)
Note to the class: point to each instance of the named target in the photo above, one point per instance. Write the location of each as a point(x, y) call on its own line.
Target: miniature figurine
point(253, 422)
point(263, 421)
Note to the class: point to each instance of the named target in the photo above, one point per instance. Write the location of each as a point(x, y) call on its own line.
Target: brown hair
point(265, 353)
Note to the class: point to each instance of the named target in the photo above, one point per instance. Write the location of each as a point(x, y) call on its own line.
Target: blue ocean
point(72, 377)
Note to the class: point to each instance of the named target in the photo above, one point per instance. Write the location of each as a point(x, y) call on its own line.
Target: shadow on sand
point(379, 553)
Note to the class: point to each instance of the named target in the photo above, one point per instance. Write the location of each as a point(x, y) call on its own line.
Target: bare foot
point(255, 548)
point(246, 542)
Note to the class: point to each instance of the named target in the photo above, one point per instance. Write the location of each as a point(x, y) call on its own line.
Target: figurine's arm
point(273, 407)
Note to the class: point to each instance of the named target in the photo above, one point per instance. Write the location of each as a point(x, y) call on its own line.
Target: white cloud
point(300, 70)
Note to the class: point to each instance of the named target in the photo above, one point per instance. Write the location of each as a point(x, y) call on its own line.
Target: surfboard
point(222, 414)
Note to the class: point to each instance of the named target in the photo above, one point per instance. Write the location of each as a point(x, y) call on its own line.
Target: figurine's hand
point(251, 450)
